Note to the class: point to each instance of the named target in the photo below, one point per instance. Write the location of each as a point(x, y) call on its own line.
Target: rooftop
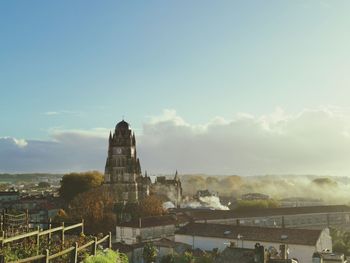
point(151, 221)
point(261, 234)
point(205, 214)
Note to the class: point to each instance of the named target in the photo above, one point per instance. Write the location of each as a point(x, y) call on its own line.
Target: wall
point(130, 235)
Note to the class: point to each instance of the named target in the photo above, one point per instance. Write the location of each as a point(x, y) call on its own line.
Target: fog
point(332, 190)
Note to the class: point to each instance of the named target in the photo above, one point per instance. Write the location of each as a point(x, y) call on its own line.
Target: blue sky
point(82, 65)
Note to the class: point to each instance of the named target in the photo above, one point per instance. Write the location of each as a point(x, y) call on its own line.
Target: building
point(164, 246)
point(206, 193)
point(123, 169)
point(255, 196)
point(146, 229)
point(170, 189)
point(300, 201)
point(301, 243)
point(9, 196)
point(312, 217)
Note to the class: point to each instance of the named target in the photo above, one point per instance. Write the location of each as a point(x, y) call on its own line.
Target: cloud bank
point(315, 141)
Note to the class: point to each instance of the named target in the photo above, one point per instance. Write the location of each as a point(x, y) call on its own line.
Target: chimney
point(283, 251)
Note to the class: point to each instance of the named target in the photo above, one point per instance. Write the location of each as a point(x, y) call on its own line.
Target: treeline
point(7, 177)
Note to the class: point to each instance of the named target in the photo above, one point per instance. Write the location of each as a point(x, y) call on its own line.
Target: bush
point(107, 257)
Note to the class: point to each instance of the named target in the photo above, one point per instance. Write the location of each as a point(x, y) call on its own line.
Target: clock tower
point(123, 170)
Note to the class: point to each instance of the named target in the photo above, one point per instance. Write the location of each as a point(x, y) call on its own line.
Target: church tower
point(123, 170)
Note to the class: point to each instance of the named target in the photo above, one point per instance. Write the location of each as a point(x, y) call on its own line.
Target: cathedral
point(123, 170)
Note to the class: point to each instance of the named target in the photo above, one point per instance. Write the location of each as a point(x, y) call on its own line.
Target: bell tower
point(123, 169)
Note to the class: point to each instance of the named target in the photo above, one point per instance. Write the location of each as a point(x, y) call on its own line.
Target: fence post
point(94, 247)
point(3, 237)
point(47, 256)
point(82, 226)
point(62, 234)
point(49, 235)
point(75, 253)
point(110, 240)
point(37, 240)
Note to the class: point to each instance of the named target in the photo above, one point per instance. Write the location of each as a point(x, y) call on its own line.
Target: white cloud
point(20, 143)
point(49, 113)
point(315, 141)
point(312, 141)
point(61, 112)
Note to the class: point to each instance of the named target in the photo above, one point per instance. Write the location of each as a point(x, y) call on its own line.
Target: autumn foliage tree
point(73, 184)
point(96, 207)
point(151, 206)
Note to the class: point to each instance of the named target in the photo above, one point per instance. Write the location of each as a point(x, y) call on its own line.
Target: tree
point(324, 182)
point(109, 256)
point(170, 258)
point(44, 185)
point(61, 216)
point(151, 206)
point(73, 184)
point(96, 208)
point(149, 253)
point(254, 204)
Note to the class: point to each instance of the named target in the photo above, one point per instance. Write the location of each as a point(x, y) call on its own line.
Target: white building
point(301, 243)
point(146, 229)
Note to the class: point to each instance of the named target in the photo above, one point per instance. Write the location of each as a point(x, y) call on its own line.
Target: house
point(300, 201)
point(146, 229)
point(168, 189)
point(301, 243)
point(164, 247)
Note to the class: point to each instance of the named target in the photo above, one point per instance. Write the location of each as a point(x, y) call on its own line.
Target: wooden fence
point(91, 245)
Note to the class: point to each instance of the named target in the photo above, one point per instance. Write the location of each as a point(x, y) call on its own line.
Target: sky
point(219, 87)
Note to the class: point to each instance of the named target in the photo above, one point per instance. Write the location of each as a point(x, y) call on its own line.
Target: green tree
point(107, 257)
point(168, 259)
point(149, 253)
point(73, 184)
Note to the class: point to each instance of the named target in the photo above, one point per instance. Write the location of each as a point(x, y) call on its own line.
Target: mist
point(331, 190)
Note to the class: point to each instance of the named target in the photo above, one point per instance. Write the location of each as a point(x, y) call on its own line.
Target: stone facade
point(170, 189)
point(123, 169)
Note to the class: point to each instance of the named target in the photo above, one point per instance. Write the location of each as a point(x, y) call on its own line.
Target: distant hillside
point(27, 177)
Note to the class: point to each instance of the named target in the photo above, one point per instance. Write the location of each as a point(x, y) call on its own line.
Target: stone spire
point(123, 169)
point(176, 177)
point(133, 139)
